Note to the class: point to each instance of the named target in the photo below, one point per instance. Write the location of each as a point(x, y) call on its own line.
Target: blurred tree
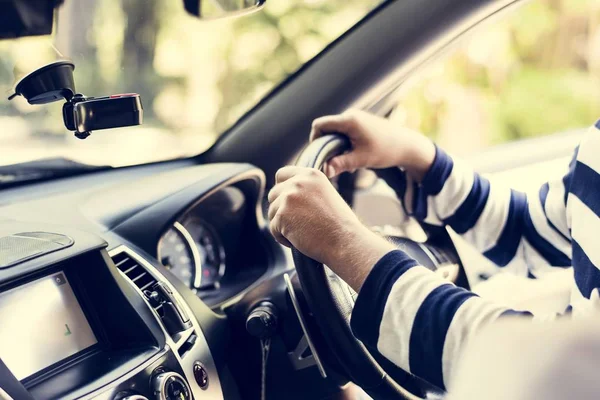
point(534, 73)
point(139, 45)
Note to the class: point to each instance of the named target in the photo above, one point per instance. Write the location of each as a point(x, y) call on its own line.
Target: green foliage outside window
point(534, 72)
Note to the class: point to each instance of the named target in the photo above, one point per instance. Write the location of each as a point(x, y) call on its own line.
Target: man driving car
point(412, 316)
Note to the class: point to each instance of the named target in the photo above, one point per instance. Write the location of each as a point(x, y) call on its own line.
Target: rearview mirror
point(212, 9)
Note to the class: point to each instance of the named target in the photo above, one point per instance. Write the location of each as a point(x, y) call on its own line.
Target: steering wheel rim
point(356, 360)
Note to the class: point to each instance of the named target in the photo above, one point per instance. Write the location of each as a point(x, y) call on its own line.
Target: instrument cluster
point(194, 253)
point(214, 247)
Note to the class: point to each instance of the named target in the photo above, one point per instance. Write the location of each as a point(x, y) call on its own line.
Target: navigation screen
point(41, 323)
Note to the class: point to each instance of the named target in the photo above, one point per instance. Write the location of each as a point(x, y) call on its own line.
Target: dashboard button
point(171, 386)
point(200, 375)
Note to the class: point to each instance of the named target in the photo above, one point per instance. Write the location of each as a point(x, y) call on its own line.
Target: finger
point(273, 208)
point(274, 228)
point(328, 170)
point(275, 192)
point(286, 173)
point(278, 190)
point(287, 183)
point(329, 124)
point(340, 164)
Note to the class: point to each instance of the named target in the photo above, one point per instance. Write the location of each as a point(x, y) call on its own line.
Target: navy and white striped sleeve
point(416, 319)
point(421, 322)
point(503, 224)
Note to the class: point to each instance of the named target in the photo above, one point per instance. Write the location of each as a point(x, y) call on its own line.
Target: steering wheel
point(331, 301)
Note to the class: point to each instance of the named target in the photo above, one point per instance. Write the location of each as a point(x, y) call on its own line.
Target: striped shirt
point(421, 322)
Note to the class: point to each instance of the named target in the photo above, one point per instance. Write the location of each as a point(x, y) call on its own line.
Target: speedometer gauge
point(193, 252)
point(212, 255)
point(177, 252)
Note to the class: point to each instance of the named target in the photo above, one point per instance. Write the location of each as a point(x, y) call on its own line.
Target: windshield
point(196, 78)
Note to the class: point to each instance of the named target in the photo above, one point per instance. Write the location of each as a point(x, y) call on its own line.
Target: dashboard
point(114, 285)
point(79, 321)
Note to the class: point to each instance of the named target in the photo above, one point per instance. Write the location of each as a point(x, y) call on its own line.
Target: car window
point(196, 78)
point(533, 72)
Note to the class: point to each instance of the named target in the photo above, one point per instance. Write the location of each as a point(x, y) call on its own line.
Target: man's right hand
point(376, 143)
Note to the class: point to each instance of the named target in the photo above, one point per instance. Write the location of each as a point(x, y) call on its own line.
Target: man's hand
point(308, 213)
point(376, 143)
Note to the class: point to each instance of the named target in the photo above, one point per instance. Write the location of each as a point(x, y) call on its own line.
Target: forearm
point(490, 217)
point(416, 319)
point(497, 220)
point(355, 254)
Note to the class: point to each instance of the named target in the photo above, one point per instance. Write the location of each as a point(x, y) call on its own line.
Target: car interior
point(162, 281)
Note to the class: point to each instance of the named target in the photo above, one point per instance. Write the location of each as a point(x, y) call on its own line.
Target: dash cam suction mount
point(82, 115)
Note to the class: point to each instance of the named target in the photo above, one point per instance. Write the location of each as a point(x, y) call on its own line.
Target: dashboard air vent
point(160, 296)
point(134, 271)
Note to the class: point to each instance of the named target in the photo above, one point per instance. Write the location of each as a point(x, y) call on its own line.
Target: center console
point(79, 322)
